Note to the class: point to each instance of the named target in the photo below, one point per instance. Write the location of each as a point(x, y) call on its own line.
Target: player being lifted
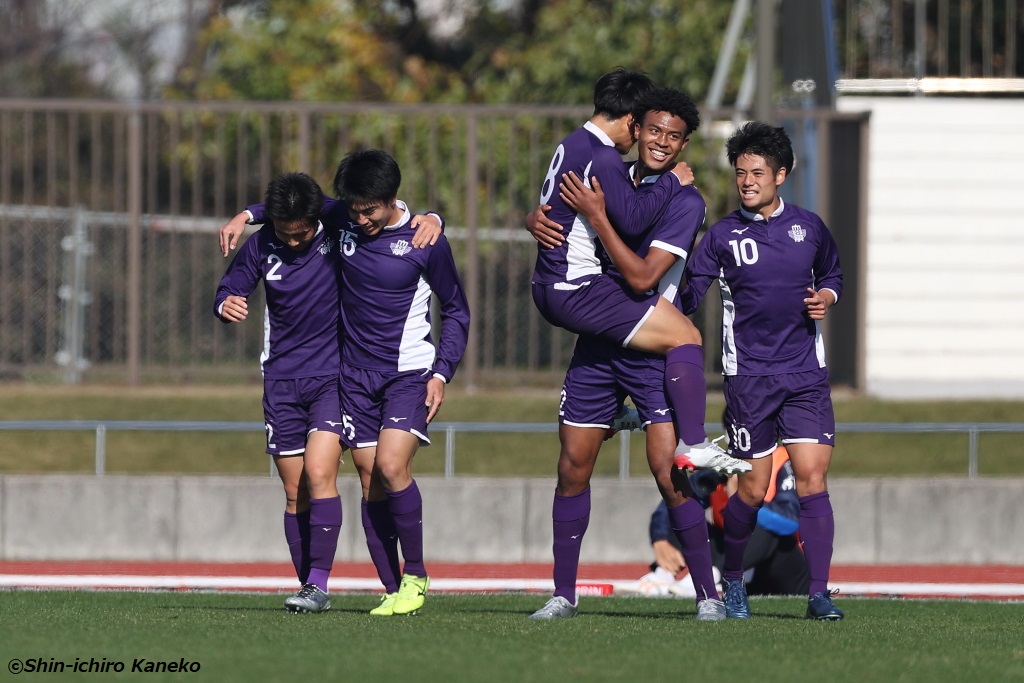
point(602, 372)
point(571, 290)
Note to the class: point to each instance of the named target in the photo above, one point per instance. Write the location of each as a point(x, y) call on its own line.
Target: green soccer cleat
point(411, 594)
point(386, 608)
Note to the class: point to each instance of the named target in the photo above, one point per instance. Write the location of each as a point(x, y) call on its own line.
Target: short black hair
point(292, 197)
point(760, 139)
point(672, 101)
point(617, 93)
point(367, 176)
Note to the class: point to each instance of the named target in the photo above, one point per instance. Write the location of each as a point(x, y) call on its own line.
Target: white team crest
point(327, 246)
point(797, 233)
point(400, 248)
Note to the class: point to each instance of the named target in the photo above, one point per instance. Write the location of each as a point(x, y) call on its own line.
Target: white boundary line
point(341, 584)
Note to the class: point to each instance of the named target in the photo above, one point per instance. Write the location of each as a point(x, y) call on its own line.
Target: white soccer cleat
point(709, 456)
point(555, 608)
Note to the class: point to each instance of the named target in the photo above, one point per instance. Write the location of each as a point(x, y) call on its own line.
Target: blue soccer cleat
point(734, 595)
point(820, 607)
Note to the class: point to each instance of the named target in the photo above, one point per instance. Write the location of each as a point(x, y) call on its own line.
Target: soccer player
point(778, 272)
point(393, 376)
point(296, 257)
point(571, 290)
point(602, 373)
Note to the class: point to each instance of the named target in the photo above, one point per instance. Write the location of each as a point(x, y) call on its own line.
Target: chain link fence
point(109, 213)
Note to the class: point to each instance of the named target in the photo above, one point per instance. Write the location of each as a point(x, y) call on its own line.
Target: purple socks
point(324, 528)
point(296, 533)
point(691, 530)
point(382, 542)
point(686, 388)
point(740, 520)
point(817, 531)
point(570, 517)
point(406, 508)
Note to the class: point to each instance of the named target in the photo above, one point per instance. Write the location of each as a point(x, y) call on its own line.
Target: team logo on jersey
point(327, 247)
point(400, 248)
point(797, 233)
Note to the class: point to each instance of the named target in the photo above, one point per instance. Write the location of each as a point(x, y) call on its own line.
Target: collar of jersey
point(600, 134)
point(403, 220)
point(758, 217)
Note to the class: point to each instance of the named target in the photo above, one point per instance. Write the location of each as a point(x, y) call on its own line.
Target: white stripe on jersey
point(415, 351)
point(265, 354)
point(730, 364)
point(581, 244)
point(668, 286)
point(819, 344)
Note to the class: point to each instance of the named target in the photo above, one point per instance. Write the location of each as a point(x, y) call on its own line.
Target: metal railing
point(451, 429)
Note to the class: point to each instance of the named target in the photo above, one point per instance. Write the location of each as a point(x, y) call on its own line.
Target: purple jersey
point(301, 321)
point(764, 269)
point(589, 152)
point(386, 289)
point(601, 372)
point(674, 231)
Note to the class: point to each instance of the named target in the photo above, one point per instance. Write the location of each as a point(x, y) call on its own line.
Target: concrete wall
point(238, 519)
point(944, 288)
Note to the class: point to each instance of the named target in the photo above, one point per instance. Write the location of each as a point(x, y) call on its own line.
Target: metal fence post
point(972, 453)
point(75, 297)
point(101, 449)
point(449, 452)
point(624, 454)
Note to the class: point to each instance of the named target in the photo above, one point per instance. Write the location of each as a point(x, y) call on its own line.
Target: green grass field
point(249, 638)
point(490, 454)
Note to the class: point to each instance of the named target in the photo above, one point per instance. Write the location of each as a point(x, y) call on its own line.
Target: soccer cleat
point(710, 610)
point(709, 456)
point(412, 593)
point(386, 608)
point(555, 608)
point(820, 607)
point(734, 593)
point(628, 419)
point(309, 599)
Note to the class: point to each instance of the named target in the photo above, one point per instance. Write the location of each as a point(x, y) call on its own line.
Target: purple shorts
point(372, 400)
point(604, 307)
point(293, 408)
point(601, 375)
point(795, 407)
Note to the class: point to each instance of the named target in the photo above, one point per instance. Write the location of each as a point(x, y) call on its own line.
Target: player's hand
point(683, 172)
point(235, 309)
point(427, 228)
point(668, 557)
point(231, 231)
point(818, 303)
point(543, 229)
point(586, 200)
point(435, 397)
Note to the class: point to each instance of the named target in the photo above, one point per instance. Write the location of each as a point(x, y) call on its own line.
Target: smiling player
point(778, 271)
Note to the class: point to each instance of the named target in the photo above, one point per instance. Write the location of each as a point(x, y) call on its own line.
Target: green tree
point(531, 52)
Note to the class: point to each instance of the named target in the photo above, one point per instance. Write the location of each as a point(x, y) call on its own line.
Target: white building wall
point(944, 294)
